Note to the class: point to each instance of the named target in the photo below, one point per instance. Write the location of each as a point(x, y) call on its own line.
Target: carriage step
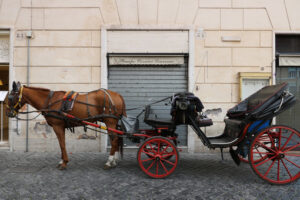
point(222, 141)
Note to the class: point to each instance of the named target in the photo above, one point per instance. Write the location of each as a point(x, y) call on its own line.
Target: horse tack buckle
point(68, 101)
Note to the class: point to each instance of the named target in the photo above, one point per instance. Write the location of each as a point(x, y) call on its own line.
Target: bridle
point(17, 106)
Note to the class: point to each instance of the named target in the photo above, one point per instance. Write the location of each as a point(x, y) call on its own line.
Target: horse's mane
point(42, 89)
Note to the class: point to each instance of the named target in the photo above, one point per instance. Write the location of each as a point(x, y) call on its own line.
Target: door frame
point(274, 50)
point(191, 65)
point(11, 77)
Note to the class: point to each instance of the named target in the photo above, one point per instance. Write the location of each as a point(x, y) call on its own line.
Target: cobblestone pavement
point(198, 176)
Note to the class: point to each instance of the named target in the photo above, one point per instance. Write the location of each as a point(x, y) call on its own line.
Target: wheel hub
point(157, 157)
point(280, 156)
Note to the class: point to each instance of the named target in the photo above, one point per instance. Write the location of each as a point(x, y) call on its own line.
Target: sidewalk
point(198, 176)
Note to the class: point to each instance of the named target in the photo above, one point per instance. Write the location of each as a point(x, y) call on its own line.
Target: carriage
point(271, 150)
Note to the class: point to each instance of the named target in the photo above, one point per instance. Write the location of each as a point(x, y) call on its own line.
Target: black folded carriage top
point(265, 103)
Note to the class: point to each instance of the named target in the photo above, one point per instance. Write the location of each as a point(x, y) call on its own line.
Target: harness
point(18, 104)
point(68, 101)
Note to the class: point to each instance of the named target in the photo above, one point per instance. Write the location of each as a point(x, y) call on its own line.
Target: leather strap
point(87, 106)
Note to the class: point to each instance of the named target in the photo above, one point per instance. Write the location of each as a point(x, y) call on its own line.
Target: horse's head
point(15, 101)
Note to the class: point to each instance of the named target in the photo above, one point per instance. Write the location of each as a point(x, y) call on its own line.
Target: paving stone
point(198, 176)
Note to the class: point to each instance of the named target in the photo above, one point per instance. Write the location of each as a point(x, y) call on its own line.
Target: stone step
point(4, 148)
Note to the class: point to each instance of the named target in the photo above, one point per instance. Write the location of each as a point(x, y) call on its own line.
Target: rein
point(155, 102)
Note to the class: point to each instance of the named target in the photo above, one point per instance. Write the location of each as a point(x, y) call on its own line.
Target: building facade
point(145, 49)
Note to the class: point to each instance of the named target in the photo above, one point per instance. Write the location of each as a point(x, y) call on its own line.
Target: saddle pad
point(68, 101)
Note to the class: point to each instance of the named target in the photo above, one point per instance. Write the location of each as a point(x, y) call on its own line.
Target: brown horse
point(91, 104)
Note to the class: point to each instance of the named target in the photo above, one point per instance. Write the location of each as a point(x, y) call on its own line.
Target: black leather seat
point(159, 122)
point(156, 122)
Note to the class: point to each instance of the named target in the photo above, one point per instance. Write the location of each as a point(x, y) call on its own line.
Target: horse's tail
point(121, 145)
point(124, 107)
point(121, 142)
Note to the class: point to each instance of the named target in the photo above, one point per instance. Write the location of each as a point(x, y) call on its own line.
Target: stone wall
point(66, 46)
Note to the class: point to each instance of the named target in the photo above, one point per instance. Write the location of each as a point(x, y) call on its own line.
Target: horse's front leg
point(60, 133)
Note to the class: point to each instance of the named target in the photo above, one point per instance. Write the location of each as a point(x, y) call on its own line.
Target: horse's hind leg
point(60, 133)
point(112, 159)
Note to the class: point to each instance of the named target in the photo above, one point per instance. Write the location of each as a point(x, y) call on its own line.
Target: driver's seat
point(155, 122)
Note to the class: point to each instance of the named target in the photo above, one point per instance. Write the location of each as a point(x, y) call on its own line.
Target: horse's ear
point(18, 85)
point(14, 86)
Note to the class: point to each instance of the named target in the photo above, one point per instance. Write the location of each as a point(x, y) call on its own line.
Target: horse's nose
point(9, 113)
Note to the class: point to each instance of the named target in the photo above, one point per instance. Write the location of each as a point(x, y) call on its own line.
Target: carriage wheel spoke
point(287, 141)
point(288, 154)
point(151, 165)
point(278, 170)
point(272, 141)
point(164, 150)
point(268, 153)
point(168, 162)
point(147, 159)
point(265, 146)
point(258, 152)
point(293, 147)
point(286, 168)
point(263, 162)
point(270, 167)
point(158, 146)
point(148, 153)
point(163, 166)
point(279, 140)
point(157, 168)
point(167, 155)
point(153, 150)
point(292, 162)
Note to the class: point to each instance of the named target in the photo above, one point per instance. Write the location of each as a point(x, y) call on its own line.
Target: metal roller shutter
point(141, 85)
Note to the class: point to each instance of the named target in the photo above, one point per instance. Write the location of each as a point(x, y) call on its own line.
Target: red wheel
point(158, 157)
point(274, 154)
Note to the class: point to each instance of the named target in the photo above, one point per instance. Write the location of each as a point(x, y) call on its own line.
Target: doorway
point(4, 80)
point(288, 70)
point(142, 80)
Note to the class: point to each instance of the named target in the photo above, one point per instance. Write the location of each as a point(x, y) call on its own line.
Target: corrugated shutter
point(141, 85)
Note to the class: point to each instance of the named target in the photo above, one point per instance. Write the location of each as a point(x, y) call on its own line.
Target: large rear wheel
point(158, 157)
point(274, 154)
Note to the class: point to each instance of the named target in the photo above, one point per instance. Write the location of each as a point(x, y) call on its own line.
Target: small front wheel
point(274, 154)
point(158, 157)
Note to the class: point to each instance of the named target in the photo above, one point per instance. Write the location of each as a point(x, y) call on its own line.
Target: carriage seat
point(156, 122)
point(204, 121)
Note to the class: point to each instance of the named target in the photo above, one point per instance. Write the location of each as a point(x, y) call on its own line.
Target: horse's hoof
point(62, 168)
point(106, 167)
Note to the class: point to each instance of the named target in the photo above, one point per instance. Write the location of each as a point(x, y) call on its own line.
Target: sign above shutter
point(146, 60)
point(289, 60)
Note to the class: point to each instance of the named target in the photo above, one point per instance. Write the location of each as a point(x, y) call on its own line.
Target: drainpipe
point(28, 36)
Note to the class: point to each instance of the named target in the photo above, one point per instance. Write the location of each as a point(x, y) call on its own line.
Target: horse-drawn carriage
point(271, 150)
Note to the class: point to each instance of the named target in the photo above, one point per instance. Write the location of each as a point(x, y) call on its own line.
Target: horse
point(95, 103)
